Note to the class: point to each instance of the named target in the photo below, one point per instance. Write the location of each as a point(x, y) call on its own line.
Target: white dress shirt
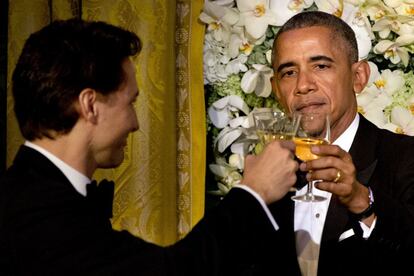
point(77, 179)
point(309, 217)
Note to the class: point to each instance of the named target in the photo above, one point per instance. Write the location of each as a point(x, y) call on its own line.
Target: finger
point(331, 187)
point(290, 145)
point(327, 175)
point(324, 162)
point(329, 150)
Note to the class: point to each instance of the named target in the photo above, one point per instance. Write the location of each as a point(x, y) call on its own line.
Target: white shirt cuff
point(366, 231)
point(261, 201)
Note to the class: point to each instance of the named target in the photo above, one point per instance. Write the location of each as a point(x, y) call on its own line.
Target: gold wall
point(160, 185)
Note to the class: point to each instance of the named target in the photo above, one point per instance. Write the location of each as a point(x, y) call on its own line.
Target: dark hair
point(339, 28)
point(57, 63)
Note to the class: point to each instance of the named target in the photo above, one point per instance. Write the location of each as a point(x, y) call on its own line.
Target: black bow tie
point(101, 196)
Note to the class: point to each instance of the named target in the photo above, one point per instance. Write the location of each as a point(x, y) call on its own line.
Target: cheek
point(286, 100)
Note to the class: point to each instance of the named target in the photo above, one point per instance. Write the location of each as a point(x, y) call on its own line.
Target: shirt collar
point(77, 179)
point(346, 139)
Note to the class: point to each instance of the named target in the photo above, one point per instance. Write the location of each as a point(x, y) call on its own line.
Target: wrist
point(367, 212)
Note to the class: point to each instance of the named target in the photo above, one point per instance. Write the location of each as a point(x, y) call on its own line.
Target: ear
point(361, 73)
point(87, 105)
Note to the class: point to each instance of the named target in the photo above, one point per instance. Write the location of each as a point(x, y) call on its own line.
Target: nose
point(135, 123)
point(305, 83)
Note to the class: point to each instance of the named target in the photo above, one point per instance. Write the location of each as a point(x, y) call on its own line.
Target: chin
point(112, 162)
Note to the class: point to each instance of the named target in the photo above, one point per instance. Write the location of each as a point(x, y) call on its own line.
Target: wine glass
point(274, 125)
point(314, 129)
point(267, 121)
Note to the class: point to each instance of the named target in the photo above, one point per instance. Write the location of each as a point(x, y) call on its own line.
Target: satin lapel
point(363, 149)
point(363, 152)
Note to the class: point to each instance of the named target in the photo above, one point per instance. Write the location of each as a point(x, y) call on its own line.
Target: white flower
point(376, 97)
point(257, 79)
point(402, 121)
point(255, 15)
point(237, 65)
point(269, 56)
point(237, 161)
point(393, 3)
point(334, 7)
point(215, 59)
point(240, 44)
point(377, 10)
point(406, 8)
point(228, 176)
point(219, 19)
point(285, 9)
point(389, 23)
point(354, 18)
point(390, 81)
point(222, 111)
point(395, 51)
point(226, 137)
point(360, 25)
point(406, 29)
point(374, 73)
point(371, 103)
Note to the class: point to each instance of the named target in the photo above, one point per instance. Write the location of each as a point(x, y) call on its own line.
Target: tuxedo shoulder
point(397, 139)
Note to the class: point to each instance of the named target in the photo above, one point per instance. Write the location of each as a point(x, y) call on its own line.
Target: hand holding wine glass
point(314, 129)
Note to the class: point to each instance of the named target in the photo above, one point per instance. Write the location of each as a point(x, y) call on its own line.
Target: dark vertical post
point(4, 22)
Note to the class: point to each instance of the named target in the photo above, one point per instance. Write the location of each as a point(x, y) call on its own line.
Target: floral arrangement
point(237, 68)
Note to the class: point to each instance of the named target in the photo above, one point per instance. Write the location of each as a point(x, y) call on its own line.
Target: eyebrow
point(311, 59)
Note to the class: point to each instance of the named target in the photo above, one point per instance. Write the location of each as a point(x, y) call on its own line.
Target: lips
point(308, 106)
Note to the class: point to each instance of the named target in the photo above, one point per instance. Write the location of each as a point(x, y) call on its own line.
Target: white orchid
point(371, 103)
point(395, 51)
point(235, 135)
point(390, 23)
point(406, 29)
point(334, 7)
point(227, 114)
point(219, 19)
point(354, 18)
point(224, 110)
point(256, 16)
point(237, 65)
point(378, 95)
point(360, 25)
point(402, 121)
point(374, 73)
point(285, 9)
point(257, 79)
point(228, 176)
point(390, 81)
point(237, 161)
point(405, 8)
point(239, 43)
point(377, 10)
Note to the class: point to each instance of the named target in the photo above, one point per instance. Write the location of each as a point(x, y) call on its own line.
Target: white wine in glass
point(314, 130)
point(274, 125)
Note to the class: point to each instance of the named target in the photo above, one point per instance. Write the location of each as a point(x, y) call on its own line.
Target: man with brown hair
point(74, 90)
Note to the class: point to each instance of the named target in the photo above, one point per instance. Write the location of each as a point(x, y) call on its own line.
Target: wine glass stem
point(310, 186)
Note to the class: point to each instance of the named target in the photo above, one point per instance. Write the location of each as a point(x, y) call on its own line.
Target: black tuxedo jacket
point(47, 228)
point(385, 162)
